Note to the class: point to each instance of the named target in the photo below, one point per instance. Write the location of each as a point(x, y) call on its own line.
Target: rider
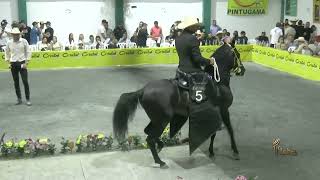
point(187, 46)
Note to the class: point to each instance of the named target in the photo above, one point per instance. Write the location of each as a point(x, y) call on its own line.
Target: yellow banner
point(247, 7)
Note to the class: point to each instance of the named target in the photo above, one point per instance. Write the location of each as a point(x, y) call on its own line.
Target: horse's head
point(238, 68)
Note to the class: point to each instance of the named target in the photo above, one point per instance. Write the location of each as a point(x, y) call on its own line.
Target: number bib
point(198, 83)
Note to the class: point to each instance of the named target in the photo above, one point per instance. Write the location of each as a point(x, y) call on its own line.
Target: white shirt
point(102, 30)
point(275, 35)
point(17, 51)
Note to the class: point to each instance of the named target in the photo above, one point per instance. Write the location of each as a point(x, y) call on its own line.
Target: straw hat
point(219, 32)
point(301, 39)
point(199, 32)
point(187, 22)
point(15, 31)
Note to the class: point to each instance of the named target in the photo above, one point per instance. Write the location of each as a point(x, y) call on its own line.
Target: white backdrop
point(72, 16)
point(5, 11)
point(163, 12)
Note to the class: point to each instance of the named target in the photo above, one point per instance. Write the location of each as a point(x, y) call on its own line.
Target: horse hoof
point(212, 155)
point(236, 156)
point(164, 166)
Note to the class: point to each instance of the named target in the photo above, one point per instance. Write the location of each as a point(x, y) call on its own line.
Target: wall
point(8, 10)
point(72, 16)
point(253, 25)
point(164, 11)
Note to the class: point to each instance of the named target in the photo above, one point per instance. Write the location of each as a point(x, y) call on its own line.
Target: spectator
point(42, 29)
point(55, 45)
point(104, 32)
point(281, 44)
point(112, 43)
point(35, 33)
point(243, 38)
point(4, 34)
point(302, 47)
point(91, 43)
point(275, 33)
point(289, 31)
point(218, 37)
point(49, 31)
point(289, 40)
point(43, 45)
point(119, 31)
point(214, 28)
point(124, 38)
point(307, 31)
point(81, 41)
point(99, 44)
point(235, 37)
point(156, 33)
point(70, 45)
point(315, 47)
point(313, 34)
point(26, 31)
point(263, 39)
point(142, 34)
point(299, 30)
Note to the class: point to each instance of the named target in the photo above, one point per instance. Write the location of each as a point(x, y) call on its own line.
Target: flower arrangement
point(94, 142)
point(165, 137)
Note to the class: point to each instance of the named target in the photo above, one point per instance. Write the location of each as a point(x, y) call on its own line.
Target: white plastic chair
point(34, 47)
point(132, 45)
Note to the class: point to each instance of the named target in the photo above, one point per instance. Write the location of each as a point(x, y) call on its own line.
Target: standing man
point(18, 55)
point(275, 34)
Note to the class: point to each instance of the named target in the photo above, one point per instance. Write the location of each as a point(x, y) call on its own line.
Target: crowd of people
point(293, 36)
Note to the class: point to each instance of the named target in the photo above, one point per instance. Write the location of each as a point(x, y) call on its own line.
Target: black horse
point(163, 101)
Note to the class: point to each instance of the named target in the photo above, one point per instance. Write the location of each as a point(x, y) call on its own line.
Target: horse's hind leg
point(226, 120)
point(152, 139)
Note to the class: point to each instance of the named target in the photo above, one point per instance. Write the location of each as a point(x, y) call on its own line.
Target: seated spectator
point(235, 37)
point(98, 44)
point(217, 38)
point(243, 38)
point(91, 44)
point(119, 32)
point(281, 44)
point(55, 45)
point(81, 42)
point(43, 45)
point(315, 48)
point(123, 39)
point(141, 35)
point(70, 45)
point(156, 33)
point(112, 43)
point(289, 40)
point(262, 39)
point(302, 47)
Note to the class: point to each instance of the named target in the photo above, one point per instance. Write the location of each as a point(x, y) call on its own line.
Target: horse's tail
point(124, 110)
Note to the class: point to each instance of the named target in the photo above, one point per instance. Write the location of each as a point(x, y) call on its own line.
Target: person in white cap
point(18, 54)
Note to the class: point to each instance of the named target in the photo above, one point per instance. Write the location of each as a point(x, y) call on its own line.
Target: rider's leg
point(211, 153)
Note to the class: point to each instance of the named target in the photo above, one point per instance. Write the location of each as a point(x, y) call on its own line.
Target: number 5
point(198, 96)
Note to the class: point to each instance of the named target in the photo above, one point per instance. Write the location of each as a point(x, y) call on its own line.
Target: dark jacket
point(190, 58)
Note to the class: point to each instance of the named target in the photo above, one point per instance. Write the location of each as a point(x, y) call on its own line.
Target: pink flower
point(240, 178)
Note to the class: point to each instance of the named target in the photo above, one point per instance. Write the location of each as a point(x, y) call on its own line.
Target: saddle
point(195, 85)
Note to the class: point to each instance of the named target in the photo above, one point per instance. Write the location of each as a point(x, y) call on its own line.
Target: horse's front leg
point(152, 145)
point(211, 153)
